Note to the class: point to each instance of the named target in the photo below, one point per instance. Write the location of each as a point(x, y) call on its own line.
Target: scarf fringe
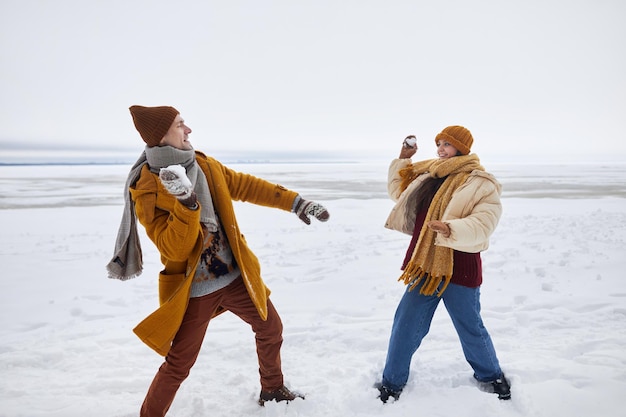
point(122, 277)
point(431, 283)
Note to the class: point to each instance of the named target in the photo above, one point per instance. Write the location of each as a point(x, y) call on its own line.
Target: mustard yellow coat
point(177, 234)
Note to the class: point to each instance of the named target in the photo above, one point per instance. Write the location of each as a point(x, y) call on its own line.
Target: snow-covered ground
point(554, 300)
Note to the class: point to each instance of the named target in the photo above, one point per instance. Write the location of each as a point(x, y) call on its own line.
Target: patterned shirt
point(217, 267)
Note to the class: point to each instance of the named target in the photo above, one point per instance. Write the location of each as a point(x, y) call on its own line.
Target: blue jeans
point(412, 322)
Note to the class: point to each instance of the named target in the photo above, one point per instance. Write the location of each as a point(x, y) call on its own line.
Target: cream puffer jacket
point(472, 214)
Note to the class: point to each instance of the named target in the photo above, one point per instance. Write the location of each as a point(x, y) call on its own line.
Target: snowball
point(410, 142)
point(180, 171)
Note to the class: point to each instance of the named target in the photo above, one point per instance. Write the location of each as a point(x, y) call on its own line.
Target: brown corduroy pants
point(186, 345)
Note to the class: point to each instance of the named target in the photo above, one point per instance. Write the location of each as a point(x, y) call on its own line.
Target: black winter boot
point(386, 393)
point(500, 386)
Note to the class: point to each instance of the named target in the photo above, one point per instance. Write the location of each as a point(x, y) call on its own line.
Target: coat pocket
point(168, 284)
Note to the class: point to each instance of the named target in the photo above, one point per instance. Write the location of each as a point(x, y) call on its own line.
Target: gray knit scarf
point(127, 257)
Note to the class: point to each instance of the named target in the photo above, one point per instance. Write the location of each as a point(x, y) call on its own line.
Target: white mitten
point(174, 179)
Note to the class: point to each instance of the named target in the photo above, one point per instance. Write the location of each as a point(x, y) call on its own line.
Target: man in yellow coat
point(184, 198)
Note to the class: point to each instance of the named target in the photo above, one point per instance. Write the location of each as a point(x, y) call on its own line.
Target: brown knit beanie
point(458, 136)
point(152, 123)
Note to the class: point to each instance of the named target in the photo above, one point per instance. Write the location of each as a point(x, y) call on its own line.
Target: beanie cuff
point(461, 147)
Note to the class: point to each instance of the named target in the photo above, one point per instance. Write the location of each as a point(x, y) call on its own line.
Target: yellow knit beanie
point(458, 136)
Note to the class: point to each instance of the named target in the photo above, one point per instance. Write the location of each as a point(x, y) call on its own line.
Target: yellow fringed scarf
point(431, 263)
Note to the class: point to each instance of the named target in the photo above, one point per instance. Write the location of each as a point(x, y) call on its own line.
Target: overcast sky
point(543, 79)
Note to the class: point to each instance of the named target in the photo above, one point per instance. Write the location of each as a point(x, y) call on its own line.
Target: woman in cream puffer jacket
point(449, 206)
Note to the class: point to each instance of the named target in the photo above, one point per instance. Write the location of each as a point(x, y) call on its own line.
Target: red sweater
point(467, 269)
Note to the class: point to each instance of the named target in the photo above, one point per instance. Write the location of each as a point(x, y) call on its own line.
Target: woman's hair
point(426, 192)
